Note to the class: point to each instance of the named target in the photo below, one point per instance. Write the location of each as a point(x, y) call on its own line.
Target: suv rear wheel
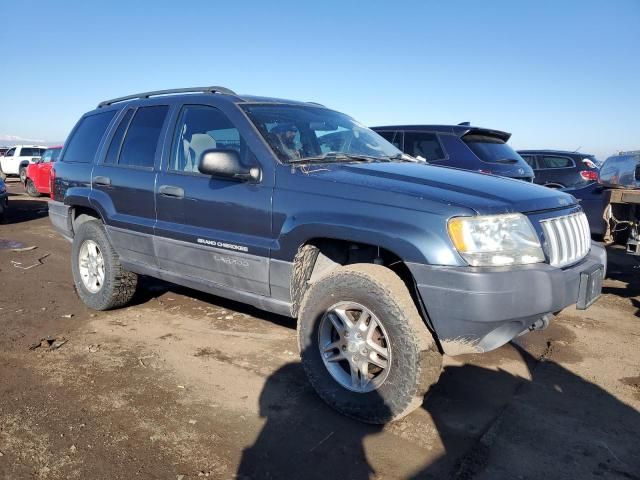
point(100, 280)
point(364, 346)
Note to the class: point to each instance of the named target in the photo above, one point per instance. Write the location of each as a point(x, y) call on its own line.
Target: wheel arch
point(319, 256)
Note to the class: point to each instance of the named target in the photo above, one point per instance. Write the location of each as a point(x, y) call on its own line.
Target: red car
point(37, 180)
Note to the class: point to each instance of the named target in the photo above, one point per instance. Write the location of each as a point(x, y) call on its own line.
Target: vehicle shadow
point(556, 425)
point(150, 288)
point(22, 210)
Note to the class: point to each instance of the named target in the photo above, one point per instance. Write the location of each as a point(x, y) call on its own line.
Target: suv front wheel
point(100, 280)
point(364, 346)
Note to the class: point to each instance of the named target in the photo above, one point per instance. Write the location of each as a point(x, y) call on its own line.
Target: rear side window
point(116, 141)
point(139, 146)
point(425, 145)
point(549, 161)
point(83, 144)
point(392, 137)
point(530, 159)
point(31, 152)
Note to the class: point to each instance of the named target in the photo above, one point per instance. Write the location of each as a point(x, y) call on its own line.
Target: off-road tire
point(119, 284)
point(415, 365)
point(31, 189)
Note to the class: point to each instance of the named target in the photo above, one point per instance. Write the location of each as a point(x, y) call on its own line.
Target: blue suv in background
point(300, 210)
point(461, 146)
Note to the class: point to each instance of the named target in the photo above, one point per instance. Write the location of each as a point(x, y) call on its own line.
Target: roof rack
point(222, 90)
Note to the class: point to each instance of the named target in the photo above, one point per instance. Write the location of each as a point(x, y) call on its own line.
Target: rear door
point(215, 231)
point(123, 181)
point(558, 171)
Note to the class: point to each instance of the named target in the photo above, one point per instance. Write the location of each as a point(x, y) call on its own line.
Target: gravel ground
point(186, 385)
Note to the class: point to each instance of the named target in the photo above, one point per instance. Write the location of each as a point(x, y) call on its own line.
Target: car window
point(491, 149)
point(55, 153)
point(549, 161)
point(298, 132)
point(10, 152)
point(84, 142)
point(201, 128)
point(46, 156)
point(141, 140)
point(530, 159)
point(116, 141)
point(423, 144)
point(393, 137)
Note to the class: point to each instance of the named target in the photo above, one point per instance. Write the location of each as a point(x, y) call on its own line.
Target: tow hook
point(541, 323)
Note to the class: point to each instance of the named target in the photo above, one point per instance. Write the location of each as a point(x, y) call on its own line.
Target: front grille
point(568, 238)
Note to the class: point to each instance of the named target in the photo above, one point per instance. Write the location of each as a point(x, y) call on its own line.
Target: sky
point(556, 74)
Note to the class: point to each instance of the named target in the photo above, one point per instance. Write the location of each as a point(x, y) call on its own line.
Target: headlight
point(496, 240)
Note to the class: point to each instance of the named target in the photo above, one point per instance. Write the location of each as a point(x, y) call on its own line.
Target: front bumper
point(475, 310)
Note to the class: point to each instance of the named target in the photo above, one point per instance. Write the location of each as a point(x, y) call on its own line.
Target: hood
point(485, 194)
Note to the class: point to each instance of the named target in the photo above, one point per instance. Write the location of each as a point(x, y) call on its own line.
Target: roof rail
point(222, 90)
point(316, 103)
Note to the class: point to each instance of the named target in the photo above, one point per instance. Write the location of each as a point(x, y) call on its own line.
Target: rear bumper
point(60, 219)
point(476, 310)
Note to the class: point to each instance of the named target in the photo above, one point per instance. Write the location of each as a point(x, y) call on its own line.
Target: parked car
point(593, 202)
point(37, 179)
point(461, 146)
point(561, 169)
point(385, 262)
point(4, 199)
point(17, 158)
point(620, 179)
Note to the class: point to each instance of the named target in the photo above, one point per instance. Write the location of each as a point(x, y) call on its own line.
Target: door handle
point(100, 180)
point(170, 191)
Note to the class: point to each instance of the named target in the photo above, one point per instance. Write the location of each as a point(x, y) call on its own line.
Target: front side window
point(202, 128)
point(141, 140)
point(55, 153)
point(304, 132)
point(46, 156)
point(425, 145)
point(83, 144)
point(10, 152)
point(549, 161)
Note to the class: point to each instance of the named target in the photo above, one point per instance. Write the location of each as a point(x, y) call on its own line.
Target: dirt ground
point(184, 385)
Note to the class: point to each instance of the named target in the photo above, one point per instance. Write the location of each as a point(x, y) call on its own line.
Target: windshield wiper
point(403, 157)
point(337, 157)
point(505, 160)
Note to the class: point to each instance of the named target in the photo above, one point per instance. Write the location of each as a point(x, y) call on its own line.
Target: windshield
point(300, 132)
point(492, 149)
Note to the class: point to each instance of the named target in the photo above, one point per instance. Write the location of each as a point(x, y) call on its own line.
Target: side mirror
point(226, 163)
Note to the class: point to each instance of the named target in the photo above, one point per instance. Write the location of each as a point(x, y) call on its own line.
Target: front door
point(210, 230)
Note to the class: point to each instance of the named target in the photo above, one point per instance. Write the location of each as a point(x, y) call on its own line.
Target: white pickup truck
point(10, 163)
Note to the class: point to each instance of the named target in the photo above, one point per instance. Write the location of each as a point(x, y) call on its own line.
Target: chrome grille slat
point(568, 238)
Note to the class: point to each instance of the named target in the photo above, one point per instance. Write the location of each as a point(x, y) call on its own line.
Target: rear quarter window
point(85, 139)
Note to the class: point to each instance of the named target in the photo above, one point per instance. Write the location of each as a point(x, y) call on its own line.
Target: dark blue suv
point(300, 210)
point(460, 146)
